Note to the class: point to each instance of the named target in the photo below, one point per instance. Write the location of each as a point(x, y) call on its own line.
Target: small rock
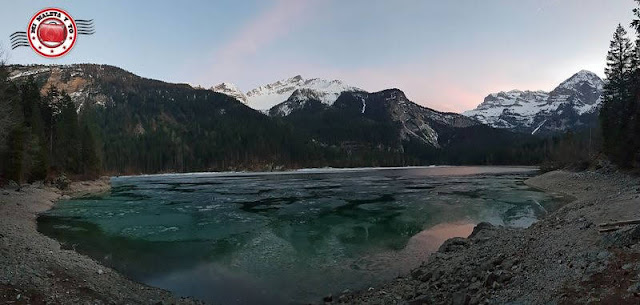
point(498, 260)
point(460, 298)
point(586, 225)
point(426, 277)
point(424, 299)
point(328, 298)
point(475, 286)
point(100, 271)
point(454, 244)
point(417, 273)
point(474, 301)
point(491, 278)
point(509, 263)
point(504, 277)
point(627, 266)
point(634, 288)
point(603, 255)
point(487, 266)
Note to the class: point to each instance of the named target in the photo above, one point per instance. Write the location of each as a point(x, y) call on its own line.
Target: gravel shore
point(34, 269)
point(562, 259)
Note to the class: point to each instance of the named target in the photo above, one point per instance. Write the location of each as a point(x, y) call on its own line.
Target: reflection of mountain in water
point(303, 234)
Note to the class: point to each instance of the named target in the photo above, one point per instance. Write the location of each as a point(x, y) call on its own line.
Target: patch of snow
point(28, 73)
point(583, 76)
point(538, 128)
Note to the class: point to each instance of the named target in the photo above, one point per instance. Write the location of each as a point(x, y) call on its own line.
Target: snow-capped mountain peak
point(570, 105)
point(230, 90)
point(267, 96)
point(581, 78)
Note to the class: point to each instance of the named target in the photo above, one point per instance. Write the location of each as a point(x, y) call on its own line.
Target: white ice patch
point(28, 73)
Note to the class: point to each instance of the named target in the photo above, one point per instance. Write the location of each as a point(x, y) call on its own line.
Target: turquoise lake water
point(292, 237)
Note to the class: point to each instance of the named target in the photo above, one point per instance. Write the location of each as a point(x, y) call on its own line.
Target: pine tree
point(619, 65)
point(634, 107)
point(614, 116)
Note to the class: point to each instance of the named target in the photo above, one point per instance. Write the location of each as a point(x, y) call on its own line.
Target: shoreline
point(35, 269)
point(313, 170)
point(561, 259)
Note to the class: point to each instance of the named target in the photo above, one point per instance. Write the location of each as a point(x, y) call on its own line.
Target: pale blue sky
point(444, 54)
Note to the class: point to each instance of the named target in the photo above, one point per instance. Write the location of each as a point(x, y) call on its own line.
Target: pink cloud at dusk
point(268, 27)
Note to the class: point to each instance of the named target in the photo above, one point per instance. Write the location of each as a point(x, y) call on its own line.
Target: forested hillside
point(83, 120)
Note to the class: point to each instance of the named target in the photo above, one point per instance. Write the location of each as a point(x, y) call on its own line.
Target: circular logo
point(52, 32)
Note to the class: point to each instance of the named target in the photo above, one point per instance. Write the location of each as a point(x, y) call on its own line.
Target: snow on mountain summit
point(581, 78)
point(267, 96)
point(570, 105)
point(230, 90)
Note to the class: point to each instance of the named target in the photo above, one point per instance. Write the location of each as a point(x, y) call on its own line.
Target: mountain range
point(572, 105)
point(266, 96)
point(151, 126)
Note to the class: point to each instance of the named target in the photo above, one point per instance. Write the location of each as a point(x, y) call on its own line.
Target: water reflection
point(287, 237)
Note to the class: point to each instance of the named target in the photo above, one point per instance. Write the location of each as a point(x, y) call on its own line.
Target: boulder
point(454, 244)
point(483, 226)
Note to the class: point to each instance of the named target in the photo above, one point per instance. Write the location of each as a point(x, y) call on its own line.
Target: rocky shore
point(35, 269)
point(562, 259)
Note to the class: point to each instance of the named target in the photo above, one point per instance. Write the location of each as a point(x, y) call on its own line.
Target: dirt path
point(562, 259)
point(35, 270)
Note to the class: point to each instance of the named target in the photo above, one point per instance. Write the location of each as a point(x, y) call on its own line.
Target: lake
point(288, 237)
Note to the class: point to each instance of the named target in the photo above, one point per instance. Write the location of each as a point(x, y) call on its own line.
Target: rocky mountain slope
point(387, 122)
point(572, 105)
point(148, 126)
point(410, 120)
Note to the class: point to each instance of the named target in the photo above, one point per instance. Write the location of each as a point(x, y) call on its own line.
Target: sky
point(446, 55)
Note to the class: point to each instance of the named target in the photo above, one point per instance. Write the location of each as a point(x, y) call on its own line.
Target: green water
point(274, 238)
